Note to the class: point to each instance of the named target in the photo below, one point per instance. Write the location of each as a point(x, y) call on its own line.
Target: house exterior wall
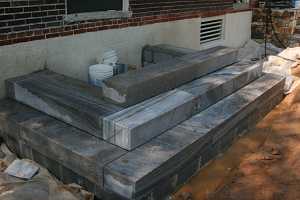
point(71, 55)
point(284, 22)
point(33, 34)
point(28, 20)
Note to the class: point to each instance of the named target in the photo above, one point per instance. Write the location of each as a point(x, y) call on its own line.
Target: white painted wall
point(73, 54)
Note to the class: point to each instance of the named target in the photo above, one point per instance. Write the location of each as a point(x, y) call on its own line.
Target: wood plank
point(138, 124)
point(138, 85)
point(137, 172)
point(70, 100)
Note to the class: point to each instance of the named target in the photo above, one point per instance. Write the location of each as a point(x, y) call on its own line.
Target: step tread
point(138, 85)
point(71, 147)
point(138, 124)
point(135, 171)
point(70, 100)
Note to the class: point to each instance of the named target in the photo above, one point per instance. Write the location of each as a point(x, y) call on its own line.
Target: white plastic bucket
point(297, 3)
point(100, 72)
point(109, 58)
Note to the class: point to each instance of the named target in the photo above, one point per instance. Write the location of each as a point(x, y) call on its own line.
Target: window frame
point(109, 14)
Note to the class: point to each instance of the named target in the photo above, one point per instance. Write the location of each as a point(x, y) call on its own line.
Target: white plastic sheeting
point(280, 61)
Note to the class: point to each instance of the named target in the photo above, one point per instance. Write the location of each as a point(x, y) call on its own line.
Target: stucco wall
point(73, 54)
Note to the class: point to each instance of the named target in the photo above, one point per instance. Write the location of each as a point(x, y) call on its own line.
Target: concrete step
point(72, 101)
point(139, 85)
point(70, 154)
point(167, 161)
point(162, 52)
point(140, 123)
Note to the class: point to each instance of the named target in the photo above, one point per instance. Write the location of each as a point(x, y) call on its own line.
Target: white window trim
point(217, 42)
point(125, 13)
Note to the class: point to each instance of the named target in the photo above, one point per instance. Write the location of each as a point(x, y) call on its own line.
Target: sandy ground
point(263, 165)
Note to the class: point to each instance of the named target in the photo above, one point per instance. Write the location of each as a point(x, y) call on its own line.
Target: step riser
point(134, 127)
point(70, 154)
point(80, 106)
point(138, 124)
point(190, 167)
point(136, 86)
point(223, 83)
point(182, 143)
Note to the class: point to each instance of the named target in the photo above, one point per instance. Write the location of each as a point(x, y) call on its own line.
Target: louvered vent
point(211, 30)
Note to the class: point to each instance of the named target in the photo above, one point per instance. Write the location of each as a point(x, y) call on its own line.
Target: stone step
point(140, 123)
point(70, 154)
point(72, 101)
point(139, 85)
point(167, 161)
point(162, 52)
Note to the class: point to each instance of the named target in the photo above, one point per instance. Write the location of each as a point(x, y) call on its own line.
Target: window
point(211, 30)
point(78, 10)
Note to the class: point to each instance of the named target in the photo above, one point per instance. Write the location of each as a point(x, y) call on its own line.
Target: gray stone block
point(138, 124)
point(64, 98)
point(72, 148)
point(210, 89)
point(163, 52)
point(69, 177)
point(138, 85)
point(68, 145)
point(136, 173)
point(54, 167)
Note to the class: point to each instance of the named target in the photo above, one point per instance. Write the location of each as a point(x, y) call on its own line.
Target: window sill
point(97, 15)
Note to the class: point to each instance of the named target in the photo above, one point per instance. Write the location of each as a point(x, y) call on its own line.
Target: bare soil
point(263, 165)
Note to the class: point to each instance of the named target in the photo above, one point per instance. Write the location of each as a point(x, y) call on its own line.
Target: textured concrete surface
point(159, 162)
point(139, 85)
point(70, 100)
point(70, 154)
point(138, 124)
point(162, 52)
point(263, 164)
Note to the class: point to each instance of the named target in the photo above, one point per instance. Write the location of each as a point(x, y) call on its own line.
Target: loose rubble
point(38, 185)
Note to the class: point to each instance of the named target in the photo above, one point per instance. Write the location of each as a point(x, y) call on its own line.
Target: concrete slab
point(139, 85)
point(138, 124)
point(162, 52)
point(72, 148)
point(167, 160)
point(72, 101)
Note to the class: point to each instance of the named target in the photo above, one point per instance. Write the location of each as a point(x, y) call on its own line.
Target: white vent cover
point(211, 30)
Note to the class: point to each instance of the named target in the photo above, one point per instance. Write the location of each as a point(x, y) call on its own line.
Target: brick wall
point(284, 24)
point(28, 20)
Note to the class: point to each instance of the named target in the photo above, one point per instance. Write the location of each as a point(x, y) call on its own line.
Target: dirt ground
point(263, 165)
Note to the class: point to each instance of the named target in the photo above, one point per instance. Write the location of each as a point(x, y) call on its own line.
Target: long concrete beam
point(139, 85)
point(140, 123)
point(69, 100)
